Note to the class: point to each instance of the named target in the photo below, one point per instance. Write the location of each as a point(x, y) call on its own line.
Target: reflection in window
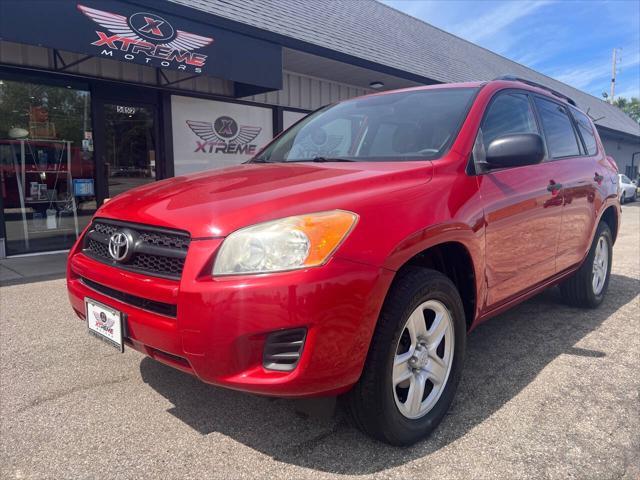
point(584, 125)
point(330, 140)
point(509, 113)
point(410, 125)
point(47, 167)
point(561, 139)
point(130, 154)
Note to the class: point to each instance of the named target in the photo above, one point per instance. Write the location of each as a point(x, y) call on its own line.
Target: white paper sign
point(289, 118)
point(210, 134)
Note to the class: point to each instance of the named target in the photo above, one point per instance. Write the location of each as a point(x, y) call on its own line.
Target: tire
point(622, 199)
point(581, 289)
point(375, 404)
point(634, 197)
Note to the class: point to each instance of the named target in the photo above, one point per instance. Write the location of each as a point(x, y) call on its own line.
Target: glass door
point(129, 146)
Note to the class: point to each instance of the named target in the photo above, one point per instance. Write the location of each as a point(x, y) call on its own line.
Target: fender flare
point(470, 238)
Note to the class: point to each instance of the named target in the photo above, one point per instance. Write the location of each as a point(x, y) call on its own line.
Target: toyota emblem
point(121, 245)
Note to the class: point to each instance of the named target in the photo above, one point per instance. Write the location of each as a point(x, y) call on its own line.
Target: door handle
point(554, 187)
point(598, 178)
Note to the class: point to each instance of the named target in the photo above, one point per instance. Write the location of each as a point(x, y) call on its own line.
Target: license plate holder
point(105, 323)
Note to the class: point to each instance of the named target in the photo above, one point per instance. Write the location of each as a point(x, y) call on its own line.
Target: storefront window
point(47, 169)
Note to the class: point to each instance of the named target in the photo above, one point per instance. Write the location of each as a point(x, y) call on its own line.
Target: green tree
point(630, 106)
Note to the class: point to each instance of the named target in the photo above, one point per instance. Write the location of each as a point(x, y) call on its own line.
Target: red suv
point(355, 252)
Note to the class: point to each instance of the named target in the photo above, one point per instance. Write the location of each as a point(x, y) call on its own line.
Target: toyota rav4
point(353, 254)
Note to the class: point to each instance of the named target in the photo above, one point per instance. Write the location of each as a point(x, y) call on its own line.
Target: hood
point(215, 203)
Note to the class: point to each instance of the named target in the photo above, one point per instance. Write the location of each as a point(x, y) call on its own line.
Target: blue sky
point(570, 40)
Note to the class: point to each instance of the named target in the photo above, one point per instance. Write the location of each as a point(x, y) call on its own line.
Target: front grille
point(157, 263)
point(162, 308)
point(282, 349)
point(97, 248)
point(155, 251)
point(164, 240)
point(105, 228)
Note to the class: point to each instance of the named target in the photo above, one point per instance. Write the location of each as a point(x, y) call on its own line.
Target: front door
point(522, 207)
point(129, 145)
point(522, 225)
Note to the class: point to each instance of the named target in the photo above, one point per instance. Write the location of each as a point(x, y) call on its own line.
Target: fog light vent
point(282, 349)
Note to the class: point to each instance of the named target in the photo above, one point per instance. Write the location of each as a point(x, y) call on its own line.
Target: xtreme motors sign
point(211, 134)
point(136, 34)
point(148, 35)
point(224, 135)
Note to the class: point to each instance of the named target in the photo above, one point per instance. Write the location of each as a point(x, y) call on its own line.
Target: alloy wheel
point(600, 265)
point(423, 359)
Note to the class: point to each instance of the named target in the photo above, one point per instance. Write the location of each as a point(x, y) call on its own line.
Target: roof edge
point(193, 14)
point(619, 133)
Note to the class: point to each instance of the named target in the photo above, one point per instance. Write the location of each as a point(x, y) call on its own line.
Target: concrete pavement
point(36, 268)
point(548, 392)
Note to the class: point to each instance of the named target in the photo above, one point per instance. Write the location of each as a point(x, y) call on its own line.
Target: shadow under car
point(503, 356)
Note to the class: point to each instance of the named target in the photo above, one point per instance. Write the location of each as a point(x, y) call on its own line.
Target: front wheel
point(587, 287)
point(414, 361)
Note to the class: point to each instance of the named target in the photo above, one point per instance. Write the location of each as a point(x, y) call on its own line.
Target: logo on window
point(224, 135)
point(149, 36)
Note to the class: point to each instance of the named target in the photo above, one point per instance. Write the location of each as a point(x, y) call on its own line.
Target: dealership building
point(97, 97)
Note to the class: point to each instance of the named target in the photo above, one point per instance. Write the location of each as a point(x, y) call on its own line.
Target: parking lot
point(548, 392)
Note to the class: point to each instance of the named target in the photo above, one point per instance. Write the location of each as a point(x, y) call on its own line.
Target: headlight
point(285, 244)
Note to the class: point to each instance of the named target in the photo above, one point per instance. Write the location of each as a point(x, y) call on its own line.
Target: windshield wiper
point(320, 159)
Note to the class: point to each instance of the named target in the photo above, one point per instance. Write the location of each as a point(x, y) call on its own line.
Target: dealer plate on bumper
point(104, 322)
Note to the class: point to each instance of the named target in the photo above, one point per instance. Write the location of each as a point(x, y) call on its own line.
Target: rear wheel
point(588, 286)
point(415, 359)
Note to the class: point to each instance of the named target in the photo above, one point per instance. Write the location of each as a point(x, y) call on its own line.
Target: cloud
point(418, 9)
point(631, 93)
point(530, 59)
point(548, 35)
point(495, 22)
point(583, 77)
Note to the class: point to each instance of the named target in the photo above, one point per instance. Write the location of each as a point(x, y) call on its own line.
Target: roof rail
point(513, 78)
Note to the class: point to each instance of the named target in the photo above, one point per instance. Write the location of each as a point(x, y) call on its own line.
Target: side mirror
point(515, 150)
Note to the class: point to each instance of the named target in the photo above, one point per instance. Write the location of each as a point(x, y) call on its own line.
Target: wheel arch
point(611, 216)
point(454, 260)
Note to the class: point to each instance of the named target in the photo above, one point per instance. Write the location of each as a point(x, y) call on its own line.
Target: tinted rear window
point(586, 130)
point(558, 129)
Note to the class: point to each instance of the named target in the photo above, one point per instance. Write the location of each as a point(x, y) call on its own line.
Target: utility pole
point(614, 61)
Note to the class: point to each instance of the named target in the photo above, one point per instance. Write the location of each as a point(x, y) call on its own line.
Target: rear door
point(576, 169)
point(522, 206)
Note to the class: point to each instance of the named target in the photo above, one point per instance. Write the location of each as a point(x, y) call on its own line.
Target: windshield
point(412, 125)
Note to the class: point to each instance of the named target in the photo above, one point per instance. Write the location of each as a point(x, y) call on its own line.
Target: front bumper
point(221, 324)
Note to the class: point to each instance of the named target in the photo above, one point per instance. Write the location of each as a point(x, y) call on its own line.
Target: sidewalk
point(35, 268)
